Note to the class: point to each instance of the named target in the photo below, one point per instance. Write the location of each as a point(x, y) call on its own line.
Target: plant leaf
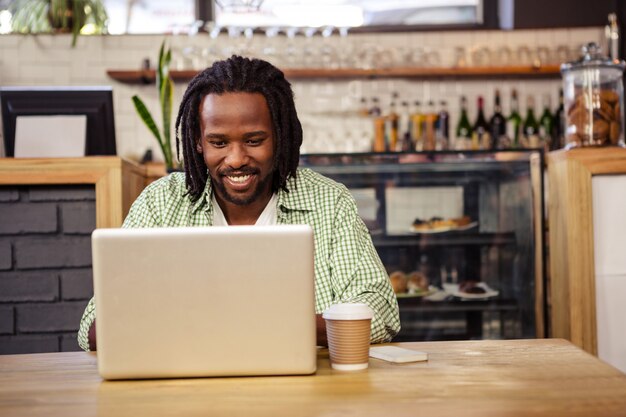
point(146, 117)
point(166, 63)
point(159, 71)
point(78, 20)
point(166, 98)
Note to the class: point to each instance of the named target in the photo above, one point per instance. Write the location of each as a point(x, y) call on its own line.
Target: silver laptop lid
point(214, 301)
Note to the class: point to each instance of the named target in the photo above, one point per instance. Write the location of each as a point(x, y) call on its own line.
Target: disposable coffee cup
point(348, 328)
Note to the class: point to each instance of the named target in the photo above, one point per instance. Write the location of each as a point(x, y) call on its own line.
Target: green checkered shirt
point(347, 267)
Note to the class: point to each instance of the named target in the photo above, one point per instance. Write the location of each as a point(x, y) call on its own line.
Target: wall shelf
point(548, 71)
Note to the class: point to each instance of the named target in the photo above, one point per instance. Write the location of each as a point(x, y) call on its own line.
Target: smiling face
point(237, 145)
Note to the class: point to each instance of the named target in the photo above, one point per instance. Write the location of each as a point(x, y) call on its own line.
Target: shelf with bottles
point(405, 125)
point(546, 71)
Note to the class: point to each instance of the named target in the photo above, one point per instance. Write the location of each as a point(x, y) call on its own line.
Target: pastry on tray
point(471, 290)
point(398, 282)
point(471, 287)
point(438, 223)
point(414, 283)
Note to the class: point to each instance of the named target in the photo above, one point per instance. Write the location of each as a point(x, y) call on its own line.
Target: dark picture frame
point(96, 103)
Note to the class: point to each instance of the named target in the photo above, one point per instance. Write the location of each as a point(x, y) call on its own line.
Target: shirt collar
point(299, 196)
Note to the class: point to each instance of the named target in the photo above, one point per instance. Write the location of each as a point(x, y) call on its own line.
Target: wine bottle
point(531, 126)
point(514, 122)
point(463, 127)
point(481, 127)
point(430, 121)
point(392, 127)
point(375, 109)
point(405, 126)
point(559, 125)
point(417, 120)
point(497, 125)
point(363, 110)
point(379, 127)
point(379, 144)
point(443, 127)
point(546, 123)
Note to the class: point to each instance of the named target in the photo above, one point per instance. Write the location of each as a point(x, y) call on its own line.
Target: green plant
point(45, 16)
point(165, 89)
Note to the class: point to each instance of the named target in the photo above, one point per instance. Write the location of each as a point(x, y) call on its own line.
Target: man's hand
point(321, 331)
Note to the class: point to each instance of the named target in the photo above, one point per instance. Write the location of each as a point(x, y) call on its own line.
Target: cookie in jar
point(594, 95)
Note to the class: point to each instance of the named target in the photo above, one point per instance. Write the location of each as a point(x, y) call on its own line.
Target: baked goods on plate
point(439, 224)
point(398, 282)
point(413, 284)
point(470, 290)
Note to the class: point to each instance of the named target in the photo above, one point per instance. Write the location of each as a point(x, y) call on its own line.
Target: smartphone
point(397, 354)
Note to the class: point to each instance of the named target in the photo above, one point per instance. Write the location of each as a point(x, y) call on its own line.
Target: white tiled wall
point(609, 228)
point(322, 104)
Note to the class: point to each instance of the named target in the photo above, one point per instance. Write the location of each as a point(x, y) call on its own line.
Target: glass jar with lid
point(593, 93)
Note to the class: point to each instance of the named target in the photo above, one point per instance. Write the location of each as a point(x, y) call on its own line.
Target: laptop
point(204, 301)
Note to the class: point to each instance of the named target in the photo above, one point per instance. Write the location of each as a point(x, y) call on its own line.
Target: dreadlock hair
point(239, 74)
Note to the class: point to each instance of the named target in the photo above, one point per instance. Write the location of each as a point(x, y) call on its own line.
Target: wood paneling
point(570, 213)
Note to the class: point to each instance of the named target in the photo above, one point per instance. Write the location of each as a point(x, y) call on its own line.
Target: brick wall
point(45, 265)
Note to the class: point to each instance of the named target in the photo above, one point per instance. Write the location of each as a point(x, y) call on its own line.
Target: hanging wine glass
point(328, 54)
point(212, 53)
point(291, 51)
point(269, 49)
point(308, 51)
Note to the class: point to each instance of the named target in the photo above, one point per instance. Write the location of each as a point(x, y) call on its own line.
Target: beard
point(262, 186)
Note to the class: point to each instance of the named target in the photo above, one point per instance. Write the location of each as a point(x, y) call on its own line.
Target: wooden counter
point(542, 377)
point(117, 181)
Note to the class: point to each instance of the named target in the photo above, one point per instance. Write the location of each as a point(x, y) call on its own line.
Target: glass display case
point(460, 234)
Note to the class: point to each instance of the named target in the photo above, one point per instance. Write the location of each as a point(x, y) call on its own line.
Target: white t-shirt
point(268, 217)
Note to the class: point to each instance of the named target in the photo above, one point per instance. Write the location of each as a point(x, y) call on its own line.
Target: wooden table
point(542, 377)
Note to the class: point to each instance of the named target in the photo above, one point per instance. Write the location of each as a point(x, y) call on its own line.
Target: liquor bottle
point(443, 127)
point(531, 126)
point(379, 144)
point(379, 134)
point(375, 109)
point(405, 143)
point(392, 127)
point(363, 110)
point(612, 34)
point(546, 123)
point(481, 127)
point(559, 125)
point(497, 125)
point(514, 122)
point(430, 121)
point(463, 127)
point(417, 124)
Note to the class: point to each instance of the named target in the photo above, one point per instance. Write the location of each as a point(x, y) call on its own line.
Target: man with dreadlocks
point(240, 138)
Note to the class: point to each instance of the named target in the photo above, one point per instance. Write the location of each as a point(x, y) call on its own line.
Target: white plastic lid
point(348, 311)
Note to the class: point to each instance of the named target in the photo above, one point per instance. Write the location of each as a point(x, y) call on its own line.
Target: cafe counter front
point(48, 209)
